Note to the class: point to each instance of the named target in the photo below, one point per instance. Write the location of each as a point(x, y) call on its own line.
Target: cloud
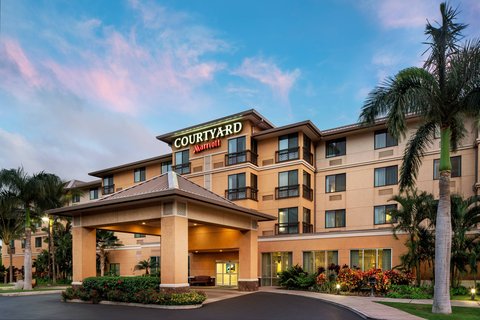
point(404, 13)
point(268, 73)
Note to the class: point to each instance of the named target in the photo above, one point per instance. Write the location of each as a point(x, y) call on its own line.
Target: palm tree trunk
point(27, 263)
point(10, 267)
point(443, 231)
point(102, 263)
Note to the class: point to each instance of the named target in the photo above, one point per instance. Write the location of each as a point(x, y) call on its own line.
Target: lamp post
point(472, 292)
point(337, 286)
point(372, 282)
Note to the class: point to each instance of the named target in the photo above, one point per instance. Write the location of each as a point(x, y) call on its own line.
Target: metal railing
point(241, 193)
point(307, 192)
point(287, 191)
point(307, 156)
point(287, 154)
point(241, 157)
point(108, 189)
point(183, 168)
point(307, 227)
point(286, 228)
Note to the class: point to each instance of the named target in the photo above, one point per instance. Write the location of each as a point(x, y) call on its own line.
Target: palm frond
point(413, 154)
point(457, 129)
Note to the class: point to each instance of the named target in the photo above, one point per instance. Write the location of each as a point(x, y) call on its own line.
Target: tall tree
point(442, 94)
point(11, 224)
point(105, 240)
point(414, 217)
point(28, 190)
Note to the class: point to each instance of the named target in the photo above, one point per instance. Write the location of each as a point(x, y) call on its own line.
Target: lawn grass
point(467, 298)
point(425, 311)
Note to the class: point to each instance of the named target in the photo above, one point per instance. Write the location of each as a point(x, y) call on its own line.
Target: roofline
point(101, 173)
point(151, 196)
point(165, 137)
point(290, 126)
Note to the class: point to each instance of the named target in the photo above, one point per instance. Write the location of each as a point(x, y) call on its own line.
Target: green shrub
point(128, 285)
point(296, 278)
point(459, 291)
point(410, 292)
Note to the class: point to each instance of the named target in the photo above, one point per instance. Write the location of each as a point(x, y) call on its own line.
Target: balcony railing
point(307, 156)
point(108, 189)
point(307, 192)
point(307, 227)
point(241, 157)
point(182, 168)
point(11, 250)
point(241, 193)
point(287, 154)
point(287, 191)
point(286, 228)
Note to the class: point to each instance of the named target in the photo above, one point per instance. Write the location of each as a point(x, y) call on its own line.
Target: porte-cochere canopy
point(188, 217)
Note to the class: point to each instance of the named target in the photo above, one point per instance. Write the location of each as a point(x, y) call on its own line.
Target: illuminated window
point(335, 183)
point(382, 214)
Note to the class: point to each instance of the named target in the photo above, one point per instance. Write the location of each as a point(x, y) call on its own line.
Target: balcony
point(108, 189)
point(241, 157)
point(287, 154)
point(307, 192)
point(182, 168)
point(11, 250)
point(307, 227)
point(241, 194)
point(286, 228)
point(287, 191)
point(308, 156)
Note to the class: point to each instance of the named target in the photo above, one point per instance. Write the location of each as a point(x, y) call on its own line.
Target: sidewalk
point(366, 306)
point(51, 290)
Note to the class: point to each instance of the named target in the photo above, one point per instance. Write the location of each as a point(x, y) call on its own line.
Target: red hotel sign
point(205, 146)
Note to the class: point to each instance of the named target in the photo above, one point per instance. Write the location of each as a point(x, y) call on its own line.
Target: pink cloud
point(405, 13)
point(16, 55)
point(268, 73)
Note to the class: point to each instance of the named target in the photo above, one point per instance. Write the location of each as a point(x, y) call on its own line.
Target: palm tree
point(413, 217)
point(465, 217)
point(27, 189)
point(11, 224)
point(105, 240)
point(146, 265)
point(442, 94)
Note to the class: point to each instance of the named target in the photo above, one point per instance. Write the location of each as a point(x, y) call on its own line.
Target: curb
point(140, 305)
point(30, 293)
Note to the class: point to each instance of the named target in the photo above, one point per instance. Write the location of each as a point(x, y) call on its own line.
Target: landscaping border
point(140, 305)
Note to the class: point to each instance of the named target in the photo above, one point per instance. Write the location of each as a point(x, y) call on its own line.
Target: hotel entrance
point(227, 273)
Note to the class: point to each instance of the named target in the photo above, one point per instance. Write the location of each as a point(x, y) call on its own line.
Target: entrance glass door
point(227, 273)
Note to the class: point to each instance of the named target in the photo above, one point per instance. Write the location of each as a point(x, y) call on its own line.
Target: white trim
point(332, 235)
point(77, 283)
point(248, 280)
point(174, 285)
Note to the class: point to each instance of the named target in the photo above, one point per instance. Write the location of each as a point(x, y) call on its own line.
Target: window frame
point(75, 198)
point(376, 257)
point(385, 182)
point(95, 192)
point(437, 177)
point(327, 143)
point(385, 206)
point(335, 176)
point(387, 135)
point(142, 174)
point(167, 165)
point(336, 211)
point(37, 241)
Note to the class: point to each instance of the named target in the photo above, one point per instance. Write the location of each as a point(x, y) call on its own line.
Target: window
point(383, 139)
point(386, 176)
point(12, 244)
point(22, 242)
point(236, 187)
point(93, 193)
point(287, 184)
point(335, 218)
point(366, 259)
point(272, 264)
point(312, 260)
point(154, 264)
point(114, 269)
point(75, 198)
point(166, 166)
point(182, 164)
point(139, 175)
point(335, 183)
point(108, 186)
point(38, 242)
point(287, 147)
point(456, 167)
point(139, 235)
point(307, 226)
point(307, 190)
point(307, 146)
point(237, 151)
point(382, 214)
point(254, 186)
point(337, 147)
point(287, 221)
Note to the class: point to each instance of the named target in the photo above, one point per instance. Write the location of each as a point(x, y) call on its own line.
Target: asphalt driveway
point(260, 305)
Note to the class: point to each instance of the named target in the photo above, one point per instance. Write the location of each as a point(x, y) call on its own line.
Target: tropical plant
point(442, 94)
point(465, 217)
point(147, 265)
point(11, 224)
point(105, 240)
point(413, 217)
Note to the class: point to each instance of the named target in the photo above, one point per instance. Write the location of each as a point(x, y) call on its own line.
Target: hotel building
point(240, 199)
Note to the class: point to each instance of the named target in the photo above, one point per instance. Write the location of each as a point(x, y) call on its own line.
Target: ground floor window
point(114, 269)
point(155, 265)
point(226, 273)
point(272, 264)
point(312, 260)
point(366, 259)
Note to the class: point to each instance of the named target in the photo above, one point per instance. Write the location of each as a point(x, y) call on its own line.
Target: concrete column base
point(174, 288)
point(247, 285)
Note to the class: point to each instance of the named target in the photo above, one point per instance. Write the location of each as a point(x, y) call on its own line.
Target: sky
point(85, 85)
